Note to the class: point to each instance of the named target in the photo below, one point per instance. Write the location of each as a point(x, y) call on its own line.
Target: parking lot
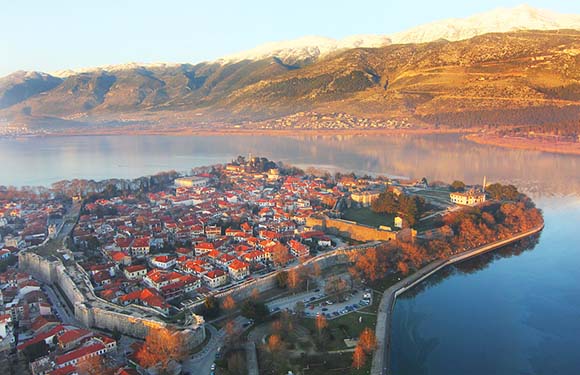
point(355, 300)
point(316, 302)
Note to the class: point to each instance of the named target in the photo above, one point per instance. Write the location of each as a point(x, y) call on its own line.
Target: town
point(99, 279)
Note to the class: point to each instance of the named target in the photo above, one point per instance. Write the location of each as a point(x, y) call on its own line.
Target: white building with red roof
point(203, 248)
point(140, 247)
point(298, 249)
point(75, 356)
point(163, 262)
point(135, 272)
point(215, 278)
point(238, 269)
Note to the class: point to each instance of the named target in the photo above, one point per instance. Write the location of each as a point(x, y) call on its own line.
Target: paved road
point(290, 301)
point(59, 305)
point(251, 358)
point(341, 308)
point(200, 363)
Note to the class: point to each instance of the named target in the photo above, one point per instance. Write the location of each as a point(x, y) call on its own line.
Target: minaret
point(484, 183)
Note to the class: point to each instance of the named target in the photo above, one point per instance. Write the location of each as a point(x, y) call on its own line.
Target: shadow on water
point(473, 265)
point(412, 346)
point(410, 324)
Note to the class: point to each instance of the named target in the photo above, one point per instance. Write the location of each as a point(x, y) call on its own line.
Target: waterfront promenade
point(381, 360)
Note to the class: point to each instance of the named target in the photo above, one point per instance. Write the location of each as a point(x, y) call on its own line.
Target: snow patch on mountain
point(522, 17)
point(310, 48)
point(307, 48)
point(113, 68)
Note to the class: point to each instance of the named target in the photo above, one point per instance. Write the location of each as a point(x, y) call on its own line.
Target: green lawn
point(335, 363)
point(347, 326)
point(386, 282)
point(366, 216)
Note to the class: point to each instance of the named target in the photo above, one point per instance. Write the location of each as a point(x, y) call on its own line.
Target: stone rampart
point(92, 311)
point(349, 229)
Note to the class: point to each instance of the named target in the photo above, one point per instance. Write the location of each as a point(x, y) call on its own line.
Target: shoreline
point(253, 132)
point(518, 143)
point(381, 357)
point(471, 135)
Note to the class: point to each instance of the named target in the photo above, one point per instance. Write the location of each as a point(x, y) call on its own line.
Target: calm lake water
point(516, 311)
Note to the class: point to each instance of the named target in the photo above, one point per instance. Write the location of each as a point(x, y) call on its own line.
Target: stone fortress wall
point(349, 229)
point(134, 320)
point(91, 311)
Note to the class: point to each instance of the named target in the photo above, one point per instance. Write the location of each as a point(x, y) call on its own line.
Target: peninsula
point(251, 245)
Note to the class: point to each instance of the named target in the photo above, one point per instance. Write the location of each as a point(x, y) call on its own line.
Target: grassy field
point(436, 196)
point(366, 216)
point(386, 282)
point(347, 326)
point(335, 363)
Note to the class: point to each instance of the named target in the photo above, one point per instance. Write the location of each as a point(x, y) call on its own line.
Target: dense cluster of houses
point(206, 232)
point(52, 346)
point(27, 221)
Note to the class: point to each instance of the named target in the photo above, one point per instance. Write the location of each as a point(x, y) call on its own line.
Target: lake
point(516, 311)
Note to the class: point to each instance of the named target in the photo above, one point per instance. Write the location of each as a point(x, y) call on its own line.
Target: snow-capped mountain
point(522, 17)
point(113, 68)
point(307, 48)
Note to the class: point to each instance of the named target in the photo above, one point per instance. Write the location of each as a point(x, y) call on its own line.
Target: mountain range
point(504, 67)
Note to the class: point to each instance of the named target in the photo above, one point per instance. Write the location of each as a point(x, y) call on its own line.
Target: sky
point(70, 34)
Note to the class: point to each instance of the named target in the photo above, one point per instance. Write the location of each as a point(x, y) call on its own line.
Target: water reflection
point(437, 157)
point(473, 265)
point(512, 311)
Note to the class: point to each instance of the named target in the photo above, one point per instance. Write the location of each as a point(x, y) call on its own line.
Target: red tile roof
point(135, 268)
point(215, 274)
point(78, 353)
point(72, 335)
point(238, 265)
point(43, 336)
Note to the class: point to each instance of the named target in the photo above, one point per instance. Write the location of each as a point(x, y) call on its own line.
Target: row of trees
point(458, 231)
point(298, 278)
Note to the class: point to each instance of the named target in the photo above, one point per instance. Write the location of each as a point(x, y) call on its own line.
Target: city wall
point(94, 312)
point(349, 229)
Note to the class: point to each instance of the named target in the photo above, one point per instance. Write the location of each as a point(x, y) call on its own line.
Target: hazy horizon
point(57, 36)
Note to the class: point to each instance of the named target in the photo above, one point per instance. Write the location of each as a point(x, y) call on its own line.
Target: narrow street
point(200, 363)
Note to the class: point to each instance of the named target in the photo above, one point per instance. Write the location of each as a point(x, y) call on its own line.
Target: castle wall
point(350, 229)
point(93, 312)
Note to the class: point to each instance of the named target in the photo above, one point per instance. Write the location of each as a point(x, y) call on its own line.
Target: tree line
point(409, 207)
point(456, 232)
